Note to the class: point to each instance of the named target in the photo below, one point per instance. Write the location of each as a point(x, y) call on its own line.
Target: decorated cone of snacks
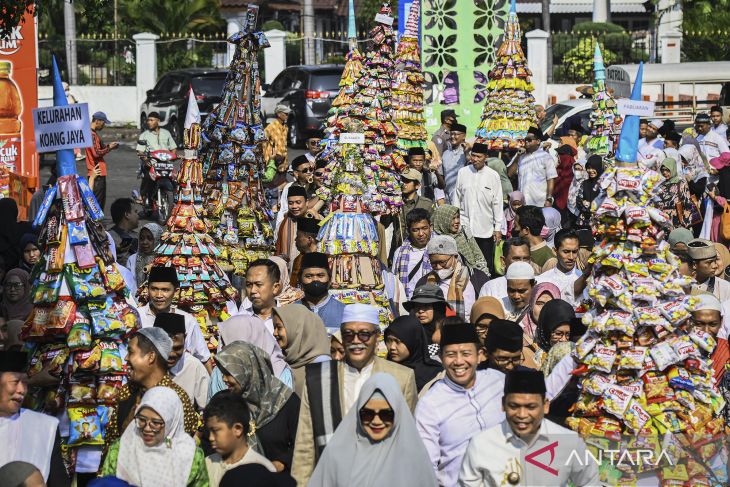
point(81, 318)
point(237, 213)
point(408, 87)
point(185, 245)
point(361, 180)
point(646, 381)
point(605, 122)
point(510, 107)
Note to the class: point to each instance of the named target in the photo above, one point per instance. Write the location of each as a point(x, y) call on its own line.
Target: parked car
point(169, 97)
point(565, 109)
point(308, 91)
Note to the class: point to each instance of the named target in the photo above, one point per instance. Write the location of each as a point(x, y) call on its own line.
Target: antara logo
point(11, 44)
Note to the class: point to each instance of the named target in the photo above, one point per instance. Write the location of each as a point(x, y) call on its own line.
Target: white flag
point(193, 114)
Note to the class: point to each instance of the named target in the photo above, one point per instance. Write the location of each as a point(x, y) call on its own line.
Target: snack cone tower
point(185, 245)
point(361, 181)
point(510, 107)
point(408, 87)
point(605, 122)
point(80, 321)
point(646, 380)
point(238, 216)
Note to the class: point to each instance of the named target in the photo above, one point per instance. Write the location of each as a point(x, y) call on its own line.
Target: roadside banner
point(65, 127)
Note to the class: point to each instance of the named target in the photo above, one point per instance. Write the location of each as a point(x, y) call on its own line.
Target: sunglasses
point(385, 415)
point(306, 171)
point(364, 336)
point(319, 174)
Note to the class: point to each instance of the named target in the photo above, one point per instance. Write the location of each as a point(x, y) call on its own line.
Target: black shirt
point(277, 436)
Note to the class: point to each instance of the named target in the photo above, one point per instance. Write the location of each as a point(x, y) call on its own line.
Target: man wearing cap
point(503, 344)
point(651, 148)
point(186, 370)
point(460, 284)
point(286, 232)
point(331, 388)
point(303, 170)
point(515, 249)
point(277, 134)
point(711, 143)
point(305, 242)
point(520, 281)
point(152, 139)
point(461, 404)
point(651, 136)
point(480, 201)
point(453, 159)
point(162, 285)
point(535, 171)
point(95, 156)
point(147, 354)
point(27, 435)
point(566, 272)
point(410, 261)
point(442, 136)
point(315, 280)
point(704, 268)
point(525, 431)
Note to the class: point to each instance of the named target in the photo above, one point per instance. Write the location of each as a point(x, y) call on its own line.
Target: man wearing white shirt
point(162, 285)
point(515, 249)
point(536, 171)
point(711, 143)
point(262, 287)
point(717, 124)
point(652, 135)
point(566, 272)
point(503, 451)
point(480, 201)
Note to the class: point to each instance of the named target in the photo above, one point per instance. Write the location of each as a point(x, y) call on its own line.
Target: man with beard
point(331, 388)
point(315, 281)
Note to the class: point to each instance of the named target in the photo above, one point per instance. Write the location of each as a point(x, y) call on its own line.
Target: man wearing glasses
point(303, 171)
point(331, 388)
point(503, 344)
point(536, 171)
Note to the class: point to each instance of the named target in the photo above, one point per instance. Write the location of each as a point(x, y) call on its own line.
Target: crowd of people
point(485, 269)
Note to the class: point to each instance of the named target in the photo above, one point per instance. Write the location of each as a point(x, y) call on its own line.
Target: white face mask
point(580, 173)
point(445, 273)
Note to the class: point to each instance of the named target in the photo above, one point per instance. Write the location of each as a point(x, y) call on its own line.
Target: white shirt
point(650, 157)
point(193, 377)
point(283, 207)
point(564, 451)
point(354, 380)
point(496, 288)
point(478, 196)
point(720, 130)
point(712, 144)
point(721, 288)
point(194, 341)
point(246, 309)
point(28, 436)
point(563, 280)
point(533, 172)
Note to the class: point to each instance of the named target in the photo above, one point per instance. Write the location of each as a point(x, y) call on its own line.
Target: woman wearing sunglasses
point(376, 444)
point(154, 450)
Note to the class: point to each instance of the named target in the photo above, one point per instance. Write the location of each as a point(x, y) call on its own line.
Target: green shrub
point(580, 58)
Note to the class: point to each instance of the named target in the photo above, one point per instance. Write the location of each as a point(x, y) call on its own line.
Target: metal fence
point(191, 51)
point(100, 60)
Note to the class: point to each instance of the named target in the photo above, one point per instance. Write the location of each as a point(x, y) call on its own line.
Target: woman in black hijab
point(10, 232)
point(407, 345)
point(589, 190)
point(255, 475)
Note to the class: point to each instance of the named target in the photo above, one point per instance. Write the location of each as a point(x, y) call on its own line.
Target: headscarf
point(10, 232)
point(251, 329)
point(409, 331)
point(28, 238)
point(589, 186)
point(578, 178)
point(724, 255)
point(21, 309)
point(528, 324)
point(556, 354)
point(695, 166)
point(287, 294)
point(255, 475)
point(465, 243)
point(167, 464)
point(352, 458)
point(509, 213)
point(306, 336)
point(145, 259)
point(16, 473)
point(671, 164)
point(555, 313)
point(498, 165)
point(264, 394)
point(552, 223)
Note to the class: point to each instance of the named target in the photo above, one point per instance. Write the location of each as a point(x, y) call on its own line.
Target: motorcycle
point(161, 170)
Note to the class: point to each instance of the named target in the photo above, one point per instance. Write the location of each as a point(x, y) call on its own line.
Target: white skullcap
point(363, 313)
point(707, 302)
point(520, 271)
point(657, 123)
point(160, 339)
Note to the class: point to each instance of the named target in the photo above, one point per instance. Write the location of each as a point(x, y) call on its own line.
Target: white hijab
point(167, 464)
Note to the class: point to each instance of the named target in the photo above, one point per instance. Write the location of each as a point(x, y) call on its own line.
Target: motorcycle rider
point(156, 138)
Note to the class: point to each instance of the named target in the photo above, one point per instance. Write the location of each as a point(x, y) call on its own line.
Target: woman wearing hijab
point(542, 294)
point(515, 199)
point(31, 252)
point(250, 329)
point(149, 238)
point(673, 196)
point(589, 190)
point(288, 294)
point(337, 348)
point(154, 450)
point(579, 175)
point(274, 409)
point(723, 259)
point(498, 165)
point(552, 224)
point(447, 221)
point(556, 324)
point(376, 444)
point(16, 303)
point(302, 337)
point(406, 342)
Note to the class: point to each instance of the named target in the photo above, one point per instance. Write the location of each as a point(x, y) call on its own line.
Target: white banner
point(352, 138)
point(66, 127)
point(627, 106)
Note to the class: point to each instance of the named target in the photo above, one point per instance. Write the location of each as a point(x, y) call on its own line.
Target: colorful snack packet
point(85, 427)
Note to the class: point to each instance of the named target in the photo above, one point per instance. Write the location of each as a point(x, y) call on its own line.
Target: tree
point(705, 27)
point(192, 16)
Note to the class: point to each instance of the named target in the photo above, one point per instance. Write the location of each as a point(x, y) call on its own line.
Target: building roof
point(579, 6)
point(290, 5)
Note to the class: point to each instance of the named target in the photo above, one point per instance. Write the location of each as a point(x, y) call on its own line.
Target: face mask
point(445, 273)
point(316, 289)
point(580, 174)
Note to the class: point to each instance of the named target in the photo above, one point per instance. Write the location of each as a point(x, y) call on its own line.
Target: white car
point(565, 109)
